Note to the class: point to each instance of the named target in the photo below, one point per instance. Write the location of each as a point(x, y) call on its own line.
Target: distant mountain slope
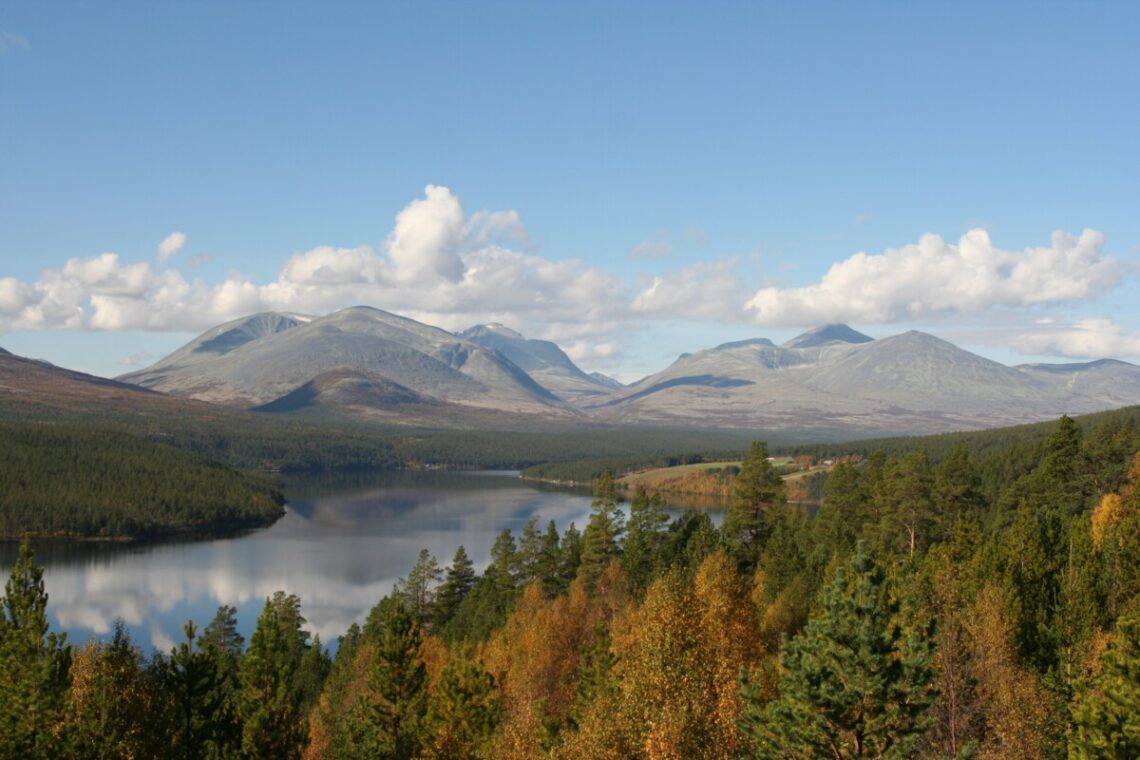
point(284, 354)
point(606, 380)
point(364, 363)
point(920, 371)
point(544, 361)
point(836, 379)
point(1113, 382)
point(33, 382)
point(826, 336)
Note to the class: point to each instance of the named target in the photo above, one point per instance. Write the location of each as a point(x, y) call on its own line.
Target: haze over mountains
point(833, 380)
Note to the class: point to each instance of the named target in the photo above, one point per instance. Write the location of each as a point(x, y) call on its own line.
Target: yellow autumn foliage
point(1016, 707)
point(678, 663)
point(1105, 517)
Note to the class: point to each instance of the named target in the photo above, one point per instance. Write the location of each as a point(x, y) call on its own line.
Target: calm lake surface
point(340, 547)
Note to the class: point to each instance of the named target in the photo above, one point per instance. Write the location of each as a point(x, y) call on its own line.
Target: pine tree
point(222, 646)
point(457, 584)
point(570, 557)
point(530, 551)
point(549, 564)
point(1106, 716)
point(843, 513)
point(33, 664)
point(757, 487)
point(196, 698)
point(852, 684)
point(907, 522)
point(462, 713)
point(418, 589)
point(270, 700)
point(600, 541)
point(957, 490)
point(386, 724)
point(645, 536)
point(784, 559)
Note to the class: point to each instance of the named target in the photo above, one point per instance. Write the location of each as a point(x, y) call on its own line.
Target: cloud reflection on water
point(340, 551)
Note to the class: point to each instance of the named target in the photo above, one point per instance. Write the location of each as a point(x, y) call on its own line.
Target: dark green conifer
point(852, 683)
point(570, 556)
point(457, 584)
point(33, 664)
point(418, 589)
point(1106, 715)
point(757, 487)
point(387, 723)
point(600, 541)
point(550, 560)
point(271, 699)
point(463, 712)
point(645, 536)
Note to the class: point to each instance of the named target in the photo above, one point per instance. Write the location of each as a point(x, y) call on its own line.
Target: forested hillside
point(83, 482)
point(915, 615)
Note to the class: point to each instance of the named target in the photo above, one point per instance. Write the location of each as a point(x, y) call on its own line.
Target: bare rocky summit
point(833, 380)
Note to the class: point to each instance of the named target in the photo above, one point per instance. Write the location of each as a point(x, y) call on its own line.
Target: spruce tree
point(852, 683)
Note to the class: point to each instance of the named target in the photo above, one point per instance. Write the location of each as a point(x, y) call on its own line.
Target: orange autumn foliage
point(676, 678)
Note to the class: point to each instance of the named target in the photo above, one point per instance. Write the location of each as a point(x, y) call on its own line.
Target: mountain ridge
point(368, 363)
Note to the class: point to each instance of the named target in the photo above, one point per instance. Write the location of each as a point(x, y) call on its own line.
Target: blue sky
point(633, 180)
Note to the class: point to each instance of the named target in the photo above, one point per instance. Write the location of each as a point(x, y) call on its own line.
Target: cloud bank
point(445, 266)
point(935, 278)
point(1086, 339)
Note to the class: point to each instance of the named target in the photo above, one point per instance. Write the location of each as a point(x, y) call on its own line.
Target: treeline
point(588, 470)
point(566, 447)
point(81, 482)
point(249, 441)
point(911, 616)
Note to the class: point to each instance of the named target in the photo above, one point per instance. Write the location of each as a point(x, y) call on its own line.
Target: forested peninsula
point(84, 482)
point(986, 605)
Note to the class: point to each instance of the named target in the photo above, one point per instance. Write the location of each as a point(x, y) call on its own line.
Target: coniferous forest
point(91, 483)
point(969, 606)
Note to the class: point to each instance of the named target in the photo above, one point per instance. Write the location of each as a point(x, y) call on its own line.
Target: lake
point(340, 547)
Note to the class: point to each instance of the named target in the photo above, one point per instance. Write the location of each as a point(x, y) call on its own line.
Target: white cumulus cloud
point(427, 238)
point(447, 267)
point(1085, 339)
point(937, 278)
point(438, 264)
point(709, 290)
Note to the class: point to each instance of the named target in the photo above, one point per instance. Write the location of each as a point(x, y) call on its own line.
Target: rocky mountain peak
point(828, 335)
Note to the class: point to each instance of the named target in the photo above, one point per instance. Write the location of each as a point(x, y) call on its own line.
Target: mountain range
point(364, 363)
